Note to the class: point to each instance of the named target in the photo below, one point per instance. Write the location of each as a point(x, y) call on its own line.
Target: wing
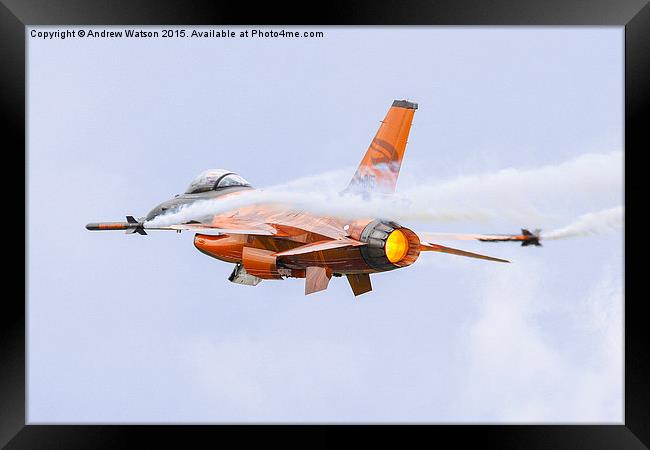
point(282, 222)
point(133, 226)
point(267, 220)
point(211, 230)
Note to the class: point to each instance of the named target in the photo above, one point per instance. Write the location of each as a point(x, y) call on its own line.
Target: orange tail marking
point(380, 166)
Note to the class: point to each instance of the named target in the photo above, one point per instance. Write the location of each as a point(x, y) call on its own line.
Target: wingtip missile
point(526, 237)
point(529, 238)
point(130, 226)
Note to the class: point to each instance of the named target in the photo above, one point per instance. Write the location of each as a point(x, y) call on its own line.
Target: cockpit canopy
point(215, 179)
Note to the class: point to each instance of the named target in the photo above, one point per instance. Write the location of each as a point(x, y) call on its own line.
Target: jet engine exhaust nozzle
point(389, 245)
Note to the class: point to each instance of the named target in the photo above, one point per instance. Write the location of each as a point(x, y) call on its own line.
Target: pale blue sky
point(147, 329)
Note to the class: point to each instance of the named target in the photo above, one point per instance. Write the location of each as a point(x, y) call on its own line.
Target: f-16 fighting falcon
point(273, 242)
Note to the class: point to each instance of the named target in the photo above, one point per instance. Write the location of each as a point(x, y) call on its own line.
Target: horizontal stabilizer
point(429, 247)
point(320, 246)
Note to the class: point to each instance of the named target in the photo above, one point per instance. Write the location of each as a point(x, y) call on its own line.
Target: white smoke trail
point(334, 204)
point(509, 193)
point(590, 224)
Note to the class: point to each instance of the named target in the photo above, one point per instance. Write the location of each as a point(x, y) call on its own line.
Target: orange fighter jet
point(273, 242)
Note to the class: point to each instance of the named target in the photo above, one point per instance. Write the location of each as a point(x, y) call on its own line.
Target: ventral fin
point(317, 279)
point(360, 283)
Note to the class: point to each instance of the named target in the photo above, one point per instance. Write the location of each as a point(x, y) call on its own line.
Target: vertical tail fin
point(380, 166)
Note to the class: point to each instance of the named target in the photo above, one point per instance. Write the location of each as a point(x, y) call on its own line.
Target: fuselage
point(289, 233)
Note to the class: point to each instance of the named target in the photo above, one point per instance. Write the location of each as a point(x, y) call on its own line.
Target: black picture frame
point(634, 15)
